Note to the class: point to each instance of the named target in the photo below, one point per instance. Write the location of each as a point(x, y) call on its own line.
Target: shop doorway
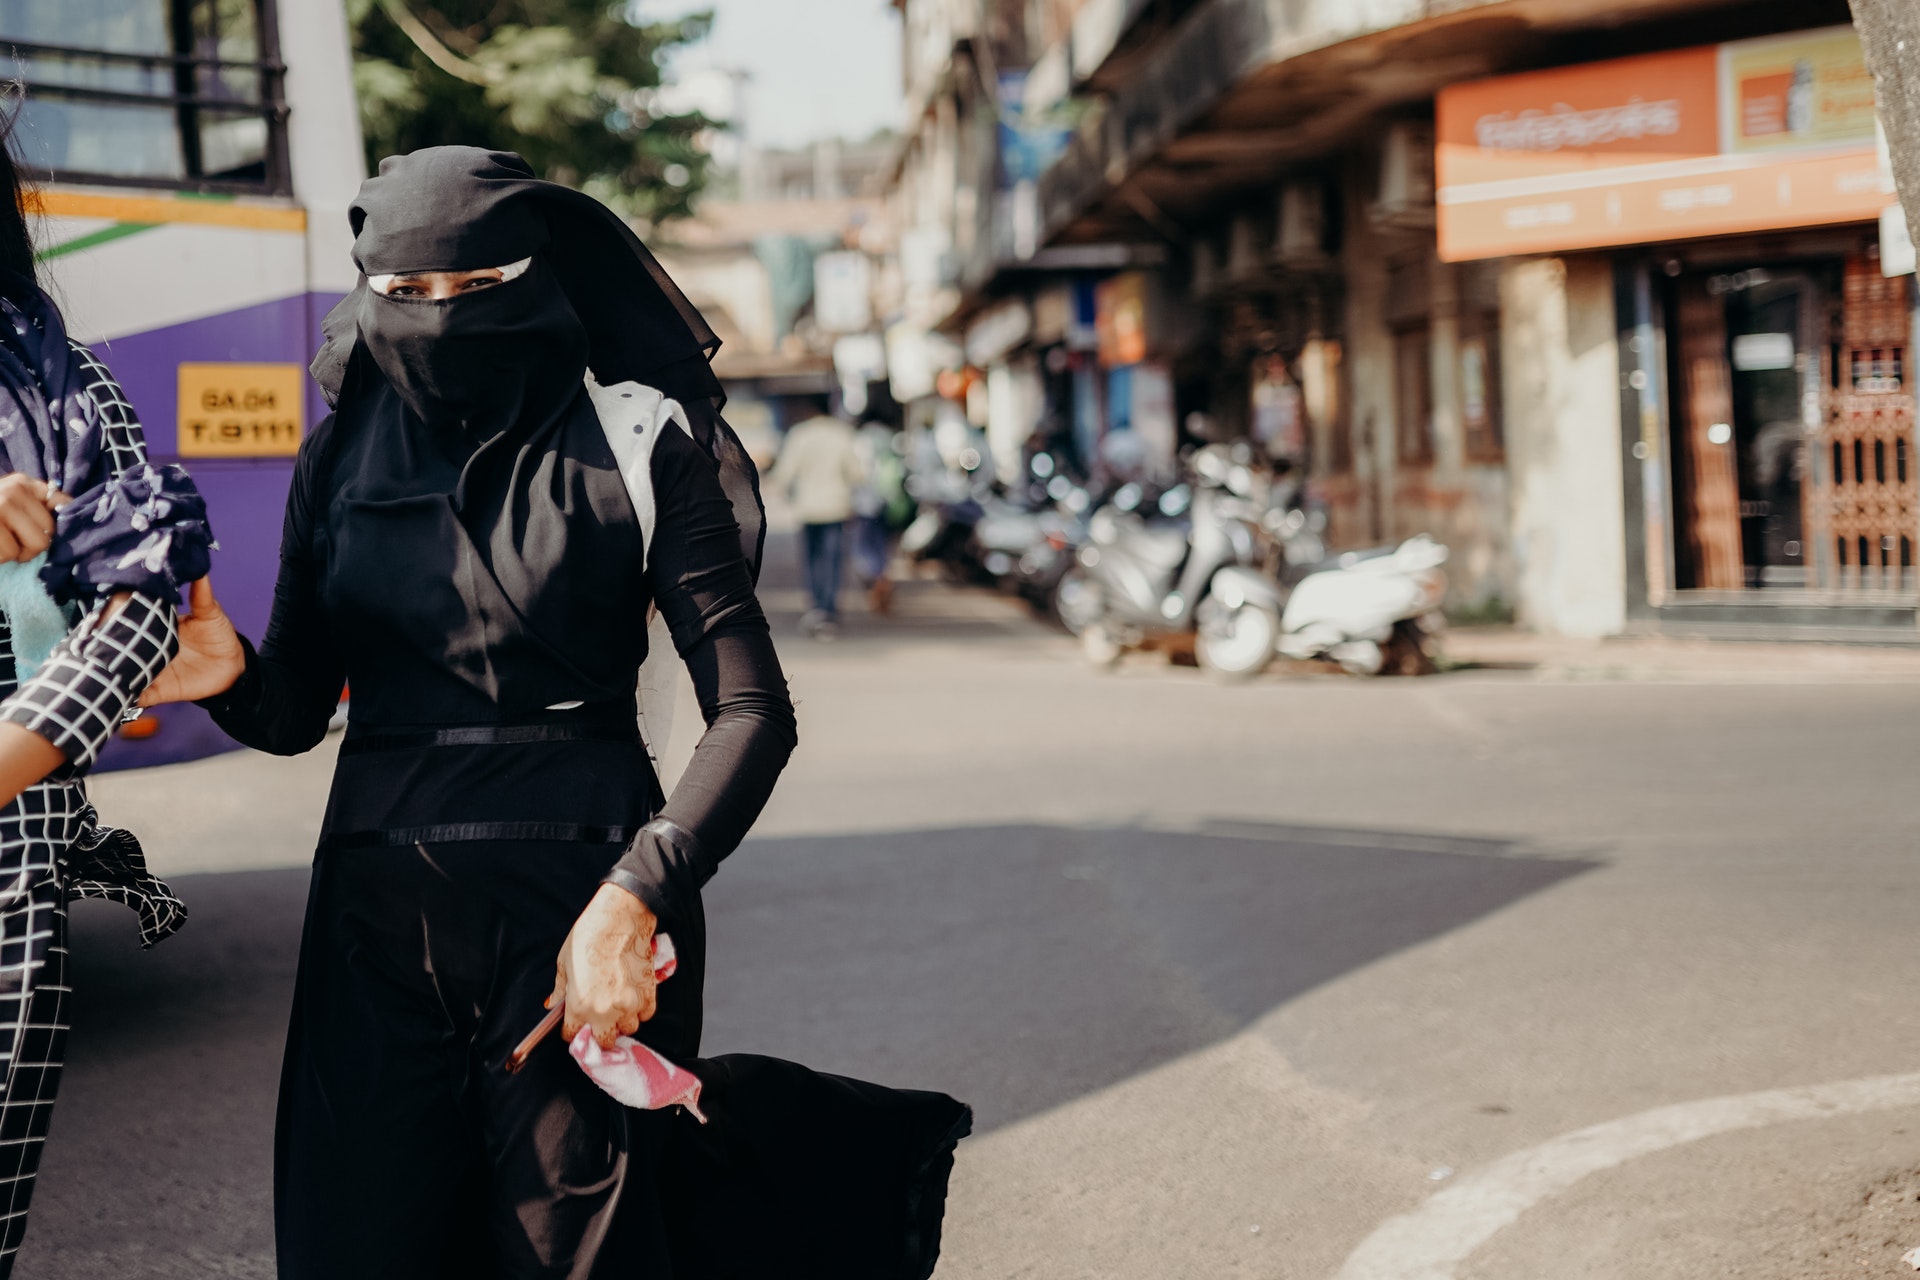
point(1792, 430)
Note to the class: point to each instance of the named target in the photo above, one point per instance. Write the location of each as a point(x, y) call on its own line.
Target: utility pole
point(1890, 34)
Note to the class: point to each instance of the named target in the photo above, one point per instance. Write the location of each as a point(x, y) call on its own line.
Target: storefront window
point(1340, 459)
point(1278, 419)
point(1793, 429)
point(1480, 387)
point(151, 92)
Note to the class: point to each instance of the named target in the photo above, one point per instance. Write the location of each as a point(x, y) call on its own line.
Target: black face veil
point(465, 209)
point(484, 362)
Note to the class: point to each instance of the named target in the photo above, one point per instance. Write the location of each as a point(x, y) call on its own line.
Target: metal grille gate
point(1862, 494)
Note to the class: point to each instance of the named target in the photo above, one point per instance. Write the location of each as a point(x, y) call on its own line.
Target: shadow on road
point(1022, 966)
point(1018, 967)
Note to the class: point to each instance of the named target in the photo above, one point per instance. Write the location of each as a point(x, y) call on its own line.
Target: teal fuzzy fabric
point(37, 623)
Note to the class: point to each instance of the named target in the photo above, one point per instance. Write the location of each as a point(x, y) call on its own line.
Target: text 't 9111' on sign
point(241, 410)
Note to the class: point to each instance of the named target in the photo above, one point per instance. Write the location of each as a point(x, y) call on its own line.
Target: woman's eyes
point(406, 289)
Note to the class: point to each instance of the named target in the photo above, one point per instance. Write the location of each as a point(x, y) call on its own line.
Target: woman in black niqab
point(463, 549)
point(485, 208)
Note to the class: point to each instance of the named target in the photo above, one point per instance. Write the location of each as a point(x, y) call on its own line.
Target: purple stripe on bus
point(185, 733)
point(285, 331)
point(246, 497)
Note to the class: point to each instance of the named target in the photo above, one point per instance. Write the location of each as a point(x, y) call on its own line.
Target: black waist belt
point(463, 832)
point(624, 729)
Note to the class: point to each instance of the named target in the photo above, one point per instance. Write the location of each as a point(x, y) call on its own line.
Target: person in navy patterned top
point(58, 708)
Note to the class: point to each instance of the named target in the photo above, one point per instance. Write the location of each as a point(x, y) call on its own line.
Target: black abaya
point(404, 1151)
point(468, 825)
point(462, 550)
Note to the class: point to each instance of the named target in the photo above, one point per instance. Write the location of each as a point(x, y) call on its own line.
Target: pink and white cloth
point(632, 1074)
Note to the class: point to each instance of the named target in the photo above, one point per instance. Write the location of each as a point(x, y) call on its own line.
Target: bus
point(194, 162)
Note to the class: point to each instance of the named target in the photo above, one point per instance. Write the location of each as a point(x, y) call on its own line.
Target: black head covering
point(466, 208)
point(597, 297)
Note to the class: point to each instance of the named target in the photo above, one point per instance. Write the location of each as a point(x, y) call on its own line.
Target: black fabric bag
point(799, 1174)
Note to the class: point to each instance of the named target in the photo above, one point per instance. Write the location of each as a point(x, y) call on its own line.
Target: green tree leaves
point(572, 85)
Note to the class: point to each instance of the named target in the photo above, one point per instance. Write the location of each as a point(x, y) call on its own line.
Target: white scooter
point(1369, 612)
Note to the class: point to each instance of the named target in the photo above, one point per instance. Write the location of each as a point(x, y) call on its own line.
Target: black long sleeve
point(283, 700)
point(701, 585)
point(705, 593)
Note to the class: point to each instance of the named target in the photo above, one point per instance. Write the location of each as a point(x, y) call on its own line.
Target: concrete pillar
point(1560, 381)
point(1013, 410)
point(1443, 354)
point(1369, 378)
point(323, 138)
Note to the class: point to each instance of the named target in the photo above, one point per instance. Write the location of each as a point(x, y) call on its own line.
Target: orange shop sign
point(1748, 136)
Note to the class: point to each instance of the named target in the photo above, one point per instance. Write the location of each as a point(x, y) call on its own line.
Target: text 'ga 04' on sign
point(241, 410)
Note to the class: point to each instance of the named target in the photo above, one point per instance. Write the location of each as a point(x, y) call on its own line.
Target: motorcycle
point(1047, 573)
point(942, 531)
point(1025, 540)
point(1247, 576)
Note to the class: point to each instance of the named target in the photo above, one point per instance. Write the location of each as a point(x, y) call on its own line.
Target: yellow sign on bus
point(241, 410)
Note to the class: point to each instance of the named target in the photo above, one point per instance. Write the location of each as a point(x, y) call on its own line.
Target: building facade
point(1593, 292)
point(782, 263)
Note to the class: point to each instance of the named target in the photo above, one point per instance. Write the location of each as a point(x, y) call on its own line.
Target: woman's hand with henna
point(211, 657)
point(605, 972)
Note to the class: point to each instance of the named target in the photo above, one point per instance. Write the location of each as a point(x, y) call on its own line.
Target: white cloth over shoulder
point(634, 417)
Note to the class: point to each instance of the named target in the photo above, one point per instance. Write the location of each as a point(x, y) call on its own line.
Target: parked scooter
point(1024, 541)
point(1215, 576)
point(1074, 597)
point(1003, 534)
point(1372, 613)
point(1152, 572)
point(1047, 573)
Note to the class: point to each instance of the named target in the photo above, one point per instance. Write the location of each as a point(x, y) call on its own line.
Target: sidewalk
point(1654, 659)
point(928, 609)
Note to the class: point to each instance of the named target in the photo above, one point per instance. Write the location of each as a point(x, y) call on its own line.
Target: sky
point(815, 68)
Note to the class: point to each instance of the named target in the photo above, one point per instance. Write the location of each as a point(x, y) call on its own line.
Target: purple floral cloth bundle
point(144, 530)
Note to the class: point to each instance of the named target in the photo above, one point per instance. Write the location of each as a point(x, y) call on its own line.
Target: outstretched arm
point(705, 591)
point(67, 710)
point(280, 698)
point(25, 758)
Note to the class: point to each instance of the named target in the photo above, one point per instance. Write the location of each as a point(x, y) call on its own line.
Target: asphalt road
point(1231, 976)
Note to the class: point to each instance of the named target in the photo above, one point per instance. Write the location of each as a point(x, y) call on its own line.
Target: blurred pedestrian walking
point(819, 470)
point(496, 841)
point(88, 588)
point(881, 509)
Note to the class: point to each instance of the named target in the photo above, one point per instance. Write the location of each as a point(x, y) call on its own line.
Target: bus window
point(179, 93)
